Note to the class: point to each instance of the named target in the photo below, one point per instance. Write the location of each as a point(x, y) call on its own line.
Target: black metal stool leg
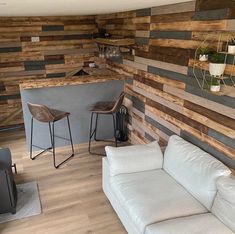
point(31, 139)
point(115, 130)
point(90, 135)
point(53, 145)
point(70, 135)
point(96, 125)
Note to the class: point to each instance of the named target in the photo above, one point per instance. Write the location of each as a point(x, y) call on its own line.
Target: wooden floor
point(71, 197)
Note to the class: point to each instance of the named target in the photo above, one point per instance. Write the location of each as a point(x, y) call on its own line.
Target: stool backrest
point(40, 112)
point(118, 103)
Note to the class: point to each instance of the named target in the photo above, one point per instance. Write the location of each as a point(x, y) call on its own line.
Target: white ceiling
point(74, 7)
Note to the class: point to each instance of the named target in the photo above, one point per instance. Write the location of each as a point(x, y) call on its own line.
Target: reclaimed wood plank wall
point(162, 95)
point(65, 43)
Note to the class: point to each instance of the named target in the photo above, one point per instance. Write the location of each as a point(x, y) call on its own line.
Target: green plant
point(232, 42)
point(215, 81)
point(217, 58)
point(205, 50)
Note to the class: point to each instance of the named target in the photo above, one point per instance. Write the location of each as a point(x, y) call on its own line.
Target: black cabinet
point(8, 192)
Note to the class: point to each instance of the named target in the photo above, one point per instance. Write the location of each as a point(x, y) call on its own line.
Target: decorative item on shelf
point(231, 46)
point(217, 64)
point(215, 84)
point(203, 53)
point(113, 47)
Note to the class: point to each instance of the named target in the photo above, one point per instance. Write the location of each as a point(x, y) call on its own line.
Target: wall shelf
point(201, 69)
point(115, 42)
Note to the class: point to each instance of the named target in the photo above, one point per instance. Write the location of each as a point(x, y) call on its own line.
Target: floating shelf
point(115, 42)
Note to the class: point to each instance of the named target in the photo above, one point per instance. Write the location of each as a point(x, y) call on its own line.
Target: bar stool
point(104, 108)
point(46, 115)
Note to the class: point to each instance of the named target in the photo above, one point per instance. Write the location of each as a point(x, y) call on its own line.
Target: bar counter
point(75, 95)
point(96, 75)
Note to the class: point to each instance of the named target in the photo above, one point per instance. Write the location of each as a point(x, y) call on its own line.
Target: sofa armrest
point(135, 158)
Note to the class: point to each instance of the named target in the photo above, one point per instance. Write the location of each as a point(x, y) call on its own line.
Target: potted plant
point(203, 53)
point(217, 64)
point(215, 85)
point(231, 46)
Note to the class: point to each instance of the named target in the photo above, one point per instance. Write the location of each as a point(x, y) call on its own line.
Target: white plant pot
point(231, 49)
point(215, 88)
point(216, 69)
point(203, 57)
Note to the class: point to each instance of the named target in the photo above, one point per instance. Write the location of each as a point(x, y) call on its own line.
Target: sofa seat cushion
point(195, 224)
point(153, 196)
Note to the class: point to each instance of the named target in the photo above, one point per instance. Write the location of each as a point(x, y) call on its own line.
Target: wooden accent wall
point(162, 94)
point(65, 44)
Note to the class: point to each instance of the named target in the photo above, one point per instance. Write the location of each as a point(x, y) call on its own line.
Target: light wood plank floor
point(72, 198)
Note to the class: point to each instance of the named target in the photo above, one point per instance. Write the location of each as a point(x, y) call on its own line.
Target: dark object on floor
point(44, 114)
point(8, 192)
point(104, 108)
point(122, 121)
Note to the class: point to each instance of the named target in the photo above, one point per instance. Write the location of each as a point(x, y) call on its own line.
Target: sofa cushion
point(134, 158)
point(153, 196)
point(224, 204)
point(193, 168)
point(195, 224)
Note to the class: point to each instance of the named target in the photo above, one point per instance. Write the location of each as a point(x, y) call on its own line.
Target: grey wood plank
point(185, 35)
point(217, 14)
point(174, 8)
point(143, 12)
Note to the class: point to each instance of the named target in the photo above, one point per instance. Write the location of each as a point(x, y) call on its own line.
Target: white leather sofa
point(186, 191)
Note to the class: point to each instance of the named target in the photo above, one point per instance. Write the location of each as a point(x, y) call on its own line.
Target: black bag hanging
point(122, 121)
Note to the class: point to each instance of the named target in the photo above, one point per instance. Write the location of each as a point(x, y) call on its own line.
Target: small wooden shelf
point(115, 42)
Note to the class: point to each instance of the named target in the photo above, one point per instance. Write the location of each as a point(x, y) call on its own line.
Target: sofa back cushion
point(194, 169)
point(224, 204)
point(134, 158)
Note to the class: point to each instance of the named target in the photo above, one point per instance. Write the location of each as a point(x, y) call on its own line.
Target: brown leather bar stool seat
point(47, 115)
point(104, 108)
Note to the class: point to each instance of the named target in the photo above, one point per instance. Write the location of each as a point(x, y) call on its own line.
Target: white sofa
point(187, 191)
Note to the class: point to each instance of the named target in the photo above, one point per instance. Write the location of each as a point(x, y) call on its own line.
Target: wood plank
point(202, 5)
point(173, 17)
point(141, 33)
point(212, 25)
point(184, 44)
point(214, 106)
point(182, 118)
point(171, 55)
point(219, 118)
point(174, 8)
point(158, 96)
point(141, 20)
point(135, 65)
point(162, 65)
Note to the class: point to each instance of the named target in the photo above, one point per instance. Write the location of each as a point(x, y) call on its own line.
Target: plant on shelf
point(231, 46)
point(203, 53)
point(217, 64)
point(215, 85)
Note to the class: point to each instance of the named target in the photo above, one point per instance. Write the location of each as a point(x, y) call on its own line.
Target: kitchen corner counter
point(96, 75)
